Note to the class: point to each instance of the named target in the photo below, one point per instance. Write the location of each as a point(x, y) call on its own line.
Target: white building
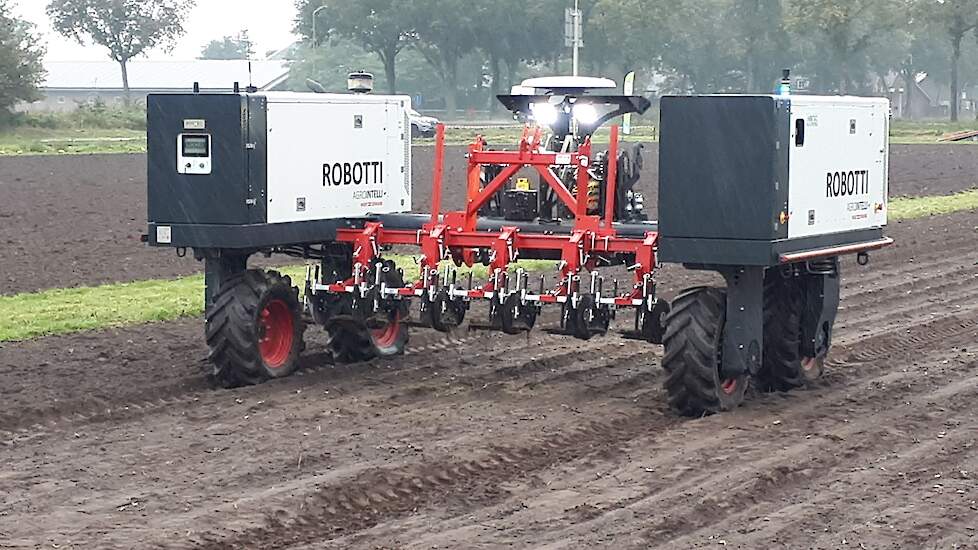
point(70, 84)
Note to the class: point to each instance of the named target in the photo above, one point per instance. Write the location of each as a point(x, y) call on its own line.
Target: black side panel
point(723, 167)
point(258, 157)
point(216, 198)
point(249, 237)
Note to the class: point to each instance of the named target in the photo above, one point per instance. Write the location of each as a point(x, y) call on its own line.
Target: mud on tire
point(693, 344)
point(783, 368)
point(254, 329)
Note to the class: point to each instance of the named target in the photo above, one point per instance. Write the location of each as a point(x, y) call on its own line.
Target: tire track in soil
point(769, 478)
point(271, 475)
point(959, 276)
point(941, 454)
point(374, 495)
point(913, 250)
point(923, 335)
point(273, 472)
point(885, 321)
point(158, 402)
point(941, 331)
point(930, 332)
point(143, 402)
point(355, 505)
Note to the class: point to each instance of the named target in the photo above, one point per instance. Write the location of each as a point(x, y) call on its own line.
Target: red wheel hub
point(729, 386)
point(386, 335)
point(276, 333)
point(808, 364)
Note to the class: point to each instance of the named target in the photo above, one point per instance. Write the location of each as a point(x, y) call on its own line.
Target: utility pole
point(315, 15)
point(577, 36)
point(573, 23)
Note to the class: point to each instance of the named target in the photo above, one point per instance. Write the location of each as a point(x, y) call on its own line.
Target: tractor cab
point(570, 106)
point(571, 109)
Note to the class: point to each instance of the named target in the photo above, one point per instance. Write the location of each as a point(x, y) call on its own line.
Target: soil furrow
point(489, 441)
point(764, 478)
point(365, 500)
point(702, 475)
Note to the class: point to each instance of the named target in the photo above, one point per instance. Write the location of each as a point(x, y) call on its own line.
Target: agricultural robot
point(769, 191)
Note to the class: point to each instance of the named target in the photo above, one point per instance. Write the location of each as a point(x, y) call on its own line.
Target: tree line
point(463, 53)
point(839, 46)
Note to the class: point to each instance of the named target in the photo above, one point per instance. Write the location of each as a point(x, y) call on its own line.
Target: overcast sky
point(269, 23)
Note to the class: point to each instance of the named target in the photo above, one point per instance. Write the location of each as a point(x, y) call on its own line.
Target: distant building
point(70, 84)
point(929, 99)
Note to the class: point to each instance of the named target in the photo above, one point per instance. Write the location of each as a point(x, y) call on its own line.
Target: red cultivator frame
point(588, 304)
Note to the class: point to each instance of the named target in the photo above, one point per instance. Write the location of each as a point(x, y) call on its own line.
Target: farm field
point(72, 137)
point(69, 220)
point(114, 439)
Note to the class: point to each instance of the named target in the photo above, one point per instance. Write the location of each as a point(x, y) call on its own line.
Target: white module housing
point(838, 164)
point(337, 156)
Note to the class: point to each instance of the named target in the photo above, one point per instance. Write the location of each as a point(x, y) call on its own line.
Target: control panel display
point(194, 154)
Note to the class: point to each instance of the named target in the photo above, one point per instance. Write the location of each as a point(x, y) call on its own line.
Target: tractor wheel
point(783, 368)
point(354, 339)
point(516, 317)
point(389, 337)
point(652, 324)
point(254, 329)
point(353, 342)
point(348, 341)
point(693, 347)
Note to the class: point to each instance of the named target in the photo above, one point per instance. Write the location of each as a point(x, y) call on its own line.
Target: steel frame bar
point(453, 235)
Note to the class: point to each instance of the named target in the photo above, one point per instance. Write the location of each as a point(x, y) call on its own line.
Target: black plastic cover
point(723, 167)
point(226, 196)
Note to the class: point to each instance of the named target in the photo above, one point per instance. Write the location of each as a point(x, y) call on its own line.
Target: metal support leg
point(743, 335)
point(821, 295)
point(219, 266)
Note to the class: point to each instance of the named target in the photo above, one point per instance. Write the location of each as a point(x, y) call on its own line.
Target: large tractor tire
point(693, 355)
point(783, 368)
point(355, 338)
point(254, 329)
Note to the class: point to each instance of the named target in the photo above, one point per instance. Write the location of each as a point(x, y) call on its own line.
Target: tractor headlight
point(544, 113)
point(585, 113)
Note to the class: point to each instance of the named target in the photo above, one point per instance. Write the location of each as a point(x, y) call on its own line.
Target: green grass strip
point(903, 208)
point(63, 311)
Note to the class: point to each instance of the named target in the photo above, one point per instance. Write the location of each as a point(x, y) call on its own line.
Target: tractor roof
point(571, 85)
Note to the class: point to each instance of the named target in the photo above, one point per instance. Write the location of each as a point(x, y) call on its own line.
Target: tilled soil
point(115, 440)
point(76, 220)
